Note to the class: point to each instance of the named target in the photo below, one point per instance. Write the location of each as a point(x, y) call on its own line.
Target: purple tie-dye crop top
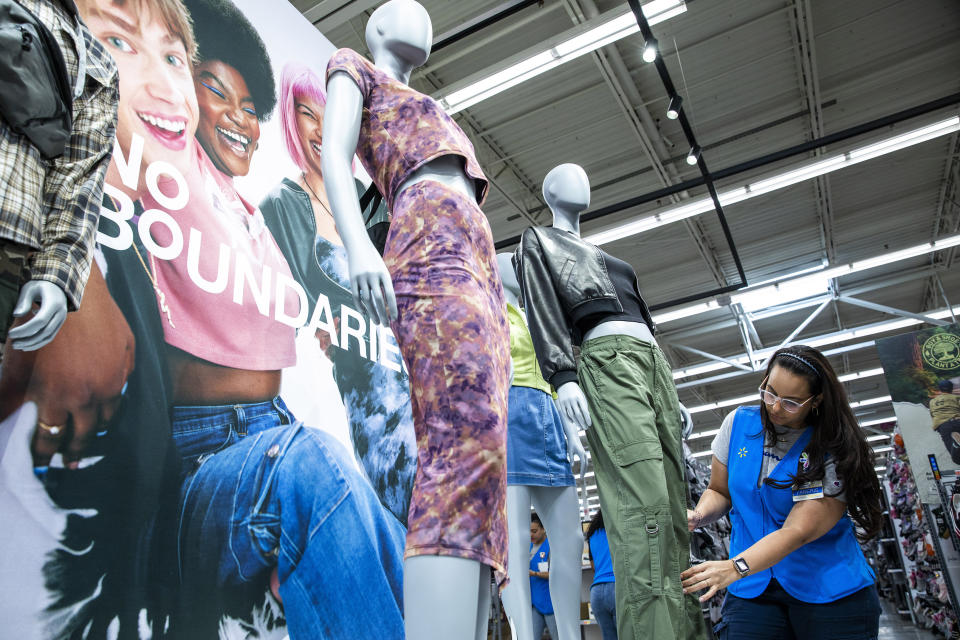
point(402, 129)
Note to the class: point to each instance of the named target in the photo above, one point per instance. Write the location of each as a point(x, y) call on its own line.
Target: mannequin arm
point(573, 405)
point(39, 330)
point(574, 446)
point(369, 280)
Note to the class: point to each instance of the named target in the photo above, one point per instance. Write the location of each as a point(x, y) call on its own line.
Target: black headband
point(801, 360)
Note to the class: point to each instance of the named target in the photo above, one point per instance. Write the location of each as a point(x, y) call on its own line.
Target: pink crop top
point(232, 243)
point(402, 129)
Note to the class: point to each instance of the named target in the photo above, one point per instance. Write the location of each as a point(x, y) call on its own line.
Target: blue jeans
point(543, 621)
point(262, 491)
point(603, 601)
point(776, 615)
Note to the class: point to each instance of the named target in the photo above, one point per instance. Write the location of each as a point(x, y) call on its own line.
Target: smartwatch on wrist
point(741, 566)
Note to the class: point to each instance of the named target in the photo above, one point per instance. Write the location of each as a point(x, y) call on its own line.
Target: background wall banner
point(923, 374)
point(217, 369)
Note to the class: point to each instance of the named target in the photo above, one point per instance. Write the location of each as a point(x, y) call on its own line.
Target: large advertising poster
point(923, 374)
point(232, 450)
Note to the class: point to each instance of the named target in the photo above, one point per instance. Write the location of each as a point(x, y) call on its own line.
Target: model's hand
point(76, 380)
point(573, 405)
point(371, 284)
point(51, 311)
point(686, 421)
point(694, 518)
point(712, 576)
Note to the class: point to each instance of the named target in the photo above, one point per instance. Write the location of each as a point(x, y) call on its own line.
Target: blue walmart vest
point(825, 570)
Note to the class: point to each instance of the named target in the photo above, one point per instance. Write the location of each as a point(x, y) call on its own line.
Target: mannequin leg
point(516, 595)
point(559, 510)
point(434, 607)
point(484, 599)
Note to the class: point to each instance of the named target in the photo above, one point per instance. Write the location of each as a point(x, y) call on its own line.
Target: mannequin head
point(567, 188)
point(401, 29)
point(507, 275)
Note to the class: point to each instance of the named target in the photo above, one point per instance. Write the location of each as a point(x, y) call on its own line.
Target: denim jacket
point(563, 280)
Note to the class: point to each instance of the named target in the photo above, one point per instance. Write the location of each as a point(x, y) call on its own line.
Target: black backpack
point(36, 96)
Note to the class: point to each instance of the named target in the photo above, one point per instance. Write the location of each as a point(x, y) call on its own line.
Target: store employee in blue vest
point(796, 475)
point(540, 580)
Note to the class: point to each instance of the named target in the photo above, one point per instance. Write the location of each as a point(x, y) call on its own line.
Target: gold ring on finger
point(51, 429)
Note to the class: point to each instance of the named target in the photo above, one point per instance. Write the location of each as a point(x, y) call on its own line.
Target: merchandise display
point(51, 174)
point(486, 320)
point(437, 284)
point(635, 443)
point(541, 447)
point(927, 595)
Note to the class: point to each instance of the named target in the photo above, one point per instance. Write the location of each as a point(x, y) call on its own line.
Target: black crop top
point(624, 280)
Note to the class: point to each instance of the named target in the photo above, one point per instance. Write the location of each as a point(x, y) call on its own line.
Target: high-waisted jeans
point(261, 491)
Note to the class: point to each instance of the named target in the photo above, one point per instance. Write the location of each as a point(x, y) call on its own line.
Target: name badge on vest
point(808, 491)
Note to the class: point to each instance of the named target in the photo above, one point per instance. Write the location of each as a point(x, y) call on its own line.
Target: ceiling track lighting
point(694, 155)
point(650, 50)
point(673, 109)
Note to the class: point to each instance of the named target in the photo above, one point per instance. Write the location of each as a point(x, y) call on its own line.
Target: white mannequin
point(567, 192)
point(42, 328)
point(559, 511)
point(444, 597)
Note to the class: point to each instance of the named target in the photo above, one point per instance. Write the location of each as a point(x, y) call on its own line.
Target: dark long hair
point(835, 433)
point(596, 523)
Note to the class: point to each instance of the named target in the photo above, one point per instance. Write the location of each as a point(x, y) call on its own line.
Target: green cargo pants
point(13, 273)
point(635, 445)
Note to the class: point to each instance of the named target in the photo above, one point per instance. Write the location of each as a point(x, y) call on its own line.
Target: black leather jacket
point(563, 279)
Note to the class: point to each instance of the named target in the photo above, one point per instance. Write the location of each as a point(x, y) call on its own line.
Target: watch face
point(742, 566)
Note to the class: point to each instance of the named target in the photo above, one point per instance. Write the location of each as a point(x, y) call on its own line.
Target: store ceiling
point(749, 72)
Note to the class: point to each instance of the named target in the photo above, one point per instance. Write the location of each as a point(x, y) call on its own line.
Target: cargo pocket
point(645, 557)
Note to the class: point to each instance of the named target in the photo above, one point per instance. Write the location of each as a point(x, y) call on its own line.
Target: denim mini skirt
point(536, 444)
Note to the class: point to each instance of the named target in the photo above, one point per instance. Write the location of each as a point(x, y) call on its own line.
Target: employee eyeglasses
point(790, 406)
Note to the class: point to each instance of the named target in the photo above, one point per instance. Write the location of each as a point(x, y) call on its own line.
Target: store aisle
point(894, 627)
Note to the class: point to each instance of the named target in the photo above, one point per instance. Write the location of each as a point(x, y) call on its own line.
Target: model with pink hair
point(376, 397)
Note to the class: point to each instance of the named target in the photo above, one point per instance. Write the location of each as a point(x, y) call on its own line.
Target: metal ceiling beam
point(882, 308)
point(801, 23)
point(330, 14)
point(767, 159)
point(618, 79)
point(480, 22)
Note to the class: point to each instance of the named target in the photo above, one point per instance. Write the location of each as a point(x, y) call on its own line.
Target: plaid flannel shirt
point(53, 206)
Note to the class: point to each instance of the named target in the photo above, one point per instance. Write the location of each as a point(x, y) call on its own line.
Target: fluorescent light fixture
point(782, 293)
point(869, 401)
point(876, 438)
point(724, 403)
point(692, 156)
point(701, 454)
point(673, 109)
point(870, 423)
point(804, 171)
point(703, 434)
point(883, 468)
point(590, 36)
point(857, 375)
point(883, 449)
point(650, 50)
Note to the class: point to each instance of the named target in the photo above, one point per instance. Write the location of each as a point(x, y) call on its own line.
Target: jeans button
point(273, 451)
